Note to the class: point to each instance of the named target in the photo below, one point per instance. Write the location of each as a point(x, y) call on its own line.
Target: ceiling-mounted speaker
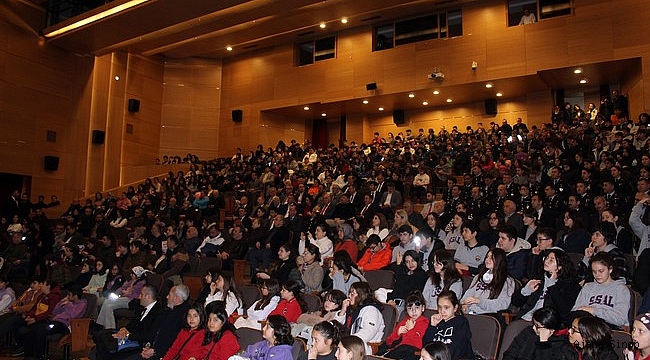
point(134, 105)
point(491, 106)
point(51, 163)
point(98, 137)
point(371, 86)
point(398, 117)
point(237, 115)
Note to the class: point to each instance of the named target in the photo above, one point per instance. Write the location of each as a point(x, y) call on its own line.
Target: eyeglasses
point(414, 305)
point(574, 330)
point(538, 326)
point(542, 239)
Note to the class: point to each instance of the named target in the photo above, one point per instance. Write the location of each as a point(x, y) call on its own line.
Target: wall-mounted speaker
point(98, 137)
point(491, 106)
point(398, 117)
point(134, 105)
point(371, 86)
point(51, 163)
point(237, 115)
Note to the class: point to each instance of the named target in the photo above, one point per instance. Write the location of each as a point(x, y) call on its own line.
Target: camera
point(436, 76)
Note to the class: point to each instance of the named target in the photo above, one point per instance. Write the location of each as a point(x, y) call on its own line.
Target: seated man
point(517, 251)
point(70, 307)
point(142, 330)
point(377, 255)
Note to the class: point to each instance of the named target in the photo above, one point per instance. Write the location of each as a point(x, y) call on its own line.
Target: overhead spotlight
point(306, 108)
point(425, 103)
point(583, 81)
point(577, 71)
point(344, 20)
point(449, 100)
point(381, 109)
point(323, 114)
point(322, 25)
point(365, 101)
point(117, 78)
point(436, 92)
point(499, 94)
point(411, 95)
point(229, 48)
point(488, 86)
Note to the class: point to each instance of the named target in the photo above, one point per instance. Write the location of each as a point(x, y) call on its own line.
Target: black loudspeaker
point(398, 117)
point(134, 105)
point(98, 137)
point(51, 163)
point(371, 86)
point(491, 106)
point(237, 115)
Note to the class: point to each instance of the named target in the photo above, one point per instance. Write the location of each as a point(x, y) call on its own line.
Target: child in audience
point(492, 289)
point(291, 305)
point(443, 275)
point(451, 327)
point(363, 311)
point(325, 338)
point(591, 339)
point(329, 312)
point(351, 348)
point(270, 290)
point(640, 338)
point(407, 336)
point(277, 343)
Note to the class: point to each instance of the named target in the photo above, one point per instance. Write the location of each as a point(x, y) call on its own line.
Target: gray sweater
point(611, 302)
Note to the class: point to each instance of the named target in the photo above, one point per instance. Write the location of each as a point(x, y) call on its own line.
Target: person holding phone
point(409, 276)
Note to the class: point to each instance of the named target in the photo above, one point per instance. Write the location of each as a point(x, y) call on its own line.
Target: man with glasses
point(545, 241)
point(378, 254)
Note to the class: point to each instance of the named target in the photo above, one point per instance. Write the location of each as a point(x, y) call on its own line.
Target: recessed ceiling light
point(306, 108)
point(229, 48)
point(323, 114)
point(449, 100)
point(411, 95)
point(365, 101)
point(381, 109)
point(577, 71)
point(117, 78)
point(344, 20)
point(583, 81)
point(425, 103)
point(436, 92)
point(488, 86)
point(499, 94)
point(322, 25)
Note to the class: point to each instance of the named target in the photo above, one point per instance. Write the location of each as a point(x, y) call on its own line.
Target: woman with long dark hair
point(575, 238)
point(219, 339)
point(277, 343)
point(443, 275)
point(189, 339)
point(291, 304)
point(363, 312)
point(545, 339)
point(270, 290)
point(344, 272)
point(591, 339)
point(492, 289)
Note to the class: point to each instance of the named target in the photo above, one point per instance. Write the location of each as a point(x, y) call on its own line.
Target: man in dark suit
point(356, 199)
point(369, 208)
point(175, 320)
point(544, 215)
point(390, 201)
point(143, 328)
point(294, 221)
point(512, 218)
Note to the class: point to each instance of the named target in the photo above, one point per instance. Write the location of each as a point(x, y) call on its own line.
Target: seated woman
point(602, 240)
point(121, 298)
point(219, 339)
point(409, 276)
point(453, 237)
point(575, 238)
point(556, 286)
point(311, 269)
point(607, 297)
point(451, 327)
point(98, 278)
point(344, 272)
point(223, 288)
point(277, 343)
point(285, 269)
point(435, 350)
point(443, 275)
point(329, 312)
point(591, 339)
point(189, 339)
point(363, 312)
point(545, 339)
point(406, 338)
point(270, 290)
point(291, 304)
point(492, 289)
point(378, 226)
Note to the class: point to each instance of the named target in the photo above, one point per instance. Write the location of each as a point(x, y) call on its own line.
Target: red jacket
point(349, 246)
point(412, 337)
point(289, 309)
point(375, 261)
point(192, 348)
point(226, 347)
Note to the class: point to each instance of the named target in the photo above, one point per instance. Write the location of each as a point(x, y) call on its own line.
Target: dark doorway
point(320, 134)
